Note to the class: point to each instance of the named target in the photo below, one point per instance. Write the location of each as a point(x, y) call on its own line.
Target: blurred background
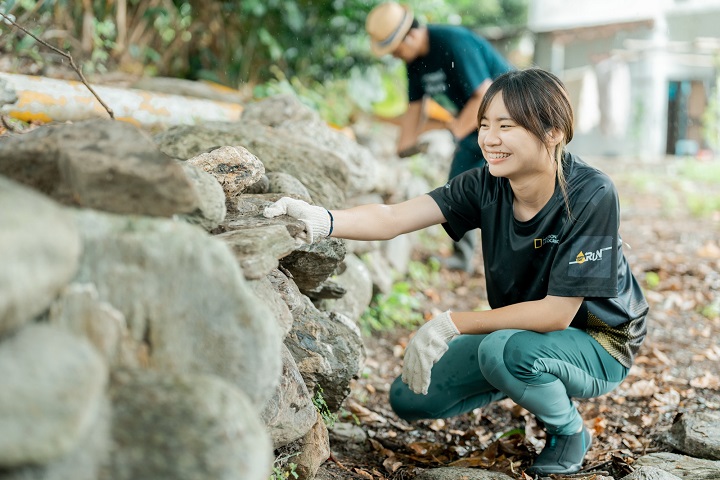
point(643, 75)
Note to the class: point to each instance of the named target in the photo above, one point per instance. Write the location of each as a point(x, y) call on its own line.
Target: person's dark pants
point(541, 372)
point(466, 157)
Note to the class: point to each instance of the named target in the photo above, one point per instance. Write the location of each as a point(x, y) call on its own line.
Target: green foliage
point(652, 279)
point(712, 310)
point(322, 407)
point(473, 13)
point(398, 308)
point(283, 469)
point(230, 41)
point(336, 100)
point(401, 306)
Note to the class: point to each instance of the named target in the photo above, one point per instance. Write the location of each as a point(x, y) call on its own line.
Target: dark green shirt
point(456, 64)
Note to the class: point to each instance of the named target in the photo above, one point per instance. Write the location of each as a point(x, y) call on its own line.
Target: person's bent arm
point(411, 126)
point(546, 315)
point(383, 222)
point(467, 122)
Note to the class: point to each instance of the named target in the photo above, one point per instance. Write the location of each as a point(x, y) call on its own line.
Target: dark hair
point(537, 101)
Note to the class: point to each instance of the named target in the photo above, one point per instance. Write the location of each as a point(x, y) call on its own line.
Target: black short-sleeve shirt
point(576, 255)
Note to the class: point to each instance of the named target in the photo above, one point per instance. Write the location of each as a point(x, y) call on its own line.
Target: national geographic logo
point(539, 242)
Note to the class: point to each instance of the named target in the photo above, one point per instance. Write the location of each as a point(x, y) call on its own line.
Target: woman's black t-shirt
point(575, 255)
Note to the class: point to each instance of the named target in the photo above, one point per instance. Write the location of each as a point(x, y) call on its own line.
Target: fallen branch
point(66, 55)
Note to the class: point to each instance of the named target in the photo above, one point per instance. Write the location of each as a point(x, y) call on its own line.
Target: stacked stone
point(153, 324)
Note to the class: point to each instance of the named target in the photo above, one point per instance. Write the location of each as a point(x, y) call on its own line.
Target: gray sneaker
point(562, 453)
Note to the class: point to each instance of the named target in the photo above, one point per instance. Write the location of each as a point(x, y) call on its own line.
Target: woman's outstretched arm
point(383, 222)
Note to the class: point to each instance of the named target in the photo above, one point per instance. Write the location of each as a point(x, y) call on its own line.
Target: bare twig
point(70, 59)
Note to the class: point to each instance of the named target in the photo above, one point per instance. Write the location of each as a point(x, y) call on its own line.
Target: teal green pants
point(542, 372)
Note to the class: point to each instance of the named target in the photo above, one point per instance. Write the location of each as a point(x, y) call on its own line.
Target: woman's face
point(510, 150)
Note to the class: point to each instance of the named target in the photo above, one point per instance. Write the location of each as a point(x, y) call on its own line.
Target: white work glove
point(316, 219)
point(425, 349)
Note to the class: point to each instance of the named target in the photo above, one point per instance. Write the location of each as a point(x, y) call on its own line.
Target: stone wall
point(153, 324)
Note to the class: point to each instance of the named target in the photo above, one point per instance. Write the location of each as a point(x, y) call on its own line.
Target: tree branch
point(66, 55)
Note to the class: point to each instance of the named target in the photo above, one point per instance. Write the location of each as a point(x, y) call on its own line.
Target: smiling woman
point(567, 315)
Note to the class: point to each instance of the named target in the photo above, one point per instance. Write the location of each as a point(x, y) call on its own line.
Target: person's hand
point(425, 349)
point(317, 220)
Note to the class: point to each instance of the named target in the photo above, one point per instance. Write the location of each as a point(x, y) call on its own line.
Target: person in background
point(453, 66)
point(567, 315)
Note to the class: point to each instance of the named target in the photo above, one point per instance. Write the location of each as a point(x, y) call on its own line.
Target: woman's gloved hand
point(317, 220)
point(425, 349)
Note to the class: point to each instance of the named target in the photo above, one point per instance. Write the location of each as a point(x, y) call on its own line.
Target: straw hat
point(387, 24)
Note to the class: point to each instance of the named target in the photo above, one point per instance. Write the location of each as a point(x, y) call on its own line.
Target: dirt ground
point(673, 247)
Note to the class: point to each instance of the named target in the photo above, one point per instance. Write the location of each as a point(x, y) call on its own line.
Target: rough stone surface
point(358, 286)
point(314, 449)
point(39, 253)
point(266, 292)
point(182, 294)
point(85, 462)
point(101, 164)
point(79, 310)
point(452, 473)
point(234, 167)
point(312, 264)
point(258, 249)
point(211, 208)
point(328, 350)
point(321, 171)
point(682, 466)
point(290, 413)
point(53, 386)
point(156, 420)
point(285, 184)
point(696, 434)
point(288, 113)
point(650, 473)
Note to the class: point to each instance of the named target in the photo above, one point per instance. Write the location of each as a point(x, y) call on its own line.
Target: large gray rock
point(650, 473)
point(313, 449)
point(358, 285)
point(290, 413)
point(53, 386)
point(85, 462)
point(185, 427)
point(455, 473)
point(258, 249)
point(211, 209)
point(288, 113)
point(289, 292)
point(696, 434)
point(101, 164)
point(321, 171)
point(265, 289)
point(39, 253)
point(234, 167)
point(78, 309)
point(310, 265)
point(183, 295)
point(328, 350)
point(682, 466)
point(287, 185)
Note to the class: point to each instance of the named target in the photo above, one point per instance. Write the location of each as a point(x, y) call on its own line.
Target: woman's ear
point(553, 137)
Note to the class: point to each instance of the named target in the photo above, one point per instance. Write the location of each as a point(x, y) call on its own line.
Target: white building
point(643, 74)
